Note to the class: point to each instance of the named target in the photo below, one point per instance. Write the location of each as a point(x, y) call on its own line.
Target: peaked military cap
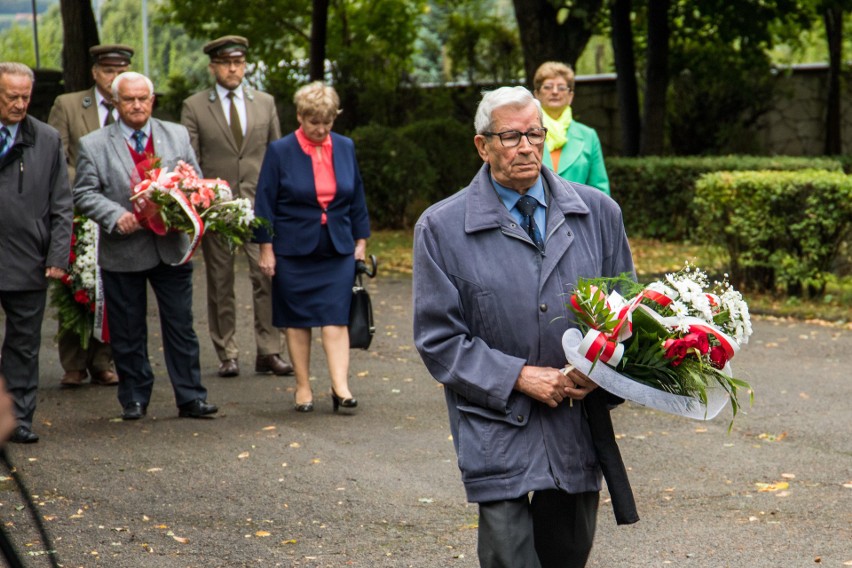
point(115, 54)
point(226, 46)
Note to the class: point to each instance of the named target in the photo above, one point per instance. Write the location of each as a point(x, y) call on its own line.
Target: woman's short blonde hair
point(551, 70)
point(317, 99)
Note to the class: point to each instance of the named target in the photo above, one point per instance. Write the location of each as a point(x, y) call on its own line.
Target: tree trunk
point(625, 67)
point(656, 79)
point(543, 38)
point(319, 26)
point(833, 18)
point(80, 33)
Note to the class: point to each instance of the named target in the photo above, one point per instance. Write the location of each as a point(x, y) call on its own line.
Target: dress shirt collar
point(223, 92)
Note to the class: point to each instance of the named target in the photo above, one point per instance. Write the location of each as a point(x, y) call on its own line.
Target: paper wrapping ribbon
point(100, 329)
point(623, 386)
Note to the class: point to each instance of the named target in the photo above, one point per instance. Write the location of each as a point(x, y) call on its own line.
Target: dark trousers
point(554, 529)
point(127, 304)
point(21, 344)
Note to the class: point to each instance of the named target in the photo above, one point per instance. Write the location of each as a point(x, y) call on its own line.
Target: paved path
point(262, 485)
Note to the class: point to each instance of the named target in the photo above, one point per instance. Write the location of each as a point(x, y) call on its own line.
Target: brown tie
point(236, 127)
point(108, 119)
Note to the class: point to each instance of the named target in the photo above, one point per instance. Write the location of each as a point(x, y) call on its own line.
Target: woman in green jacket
point(573, 147)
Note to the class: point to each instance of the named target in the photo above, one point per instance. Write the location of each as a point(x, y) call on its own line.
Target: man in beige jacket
point(230, 126)
point(74, 115)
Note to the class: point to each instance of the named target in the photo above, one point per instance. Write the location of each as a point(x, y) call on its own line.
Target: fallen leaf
point(290, 541)
point(161, 526)
point(700, 430)
point(243, 455)
point(804, 395)
point(788, 475)
point(362, 374)
point(765, 487)
point(848, 485)
point(262, 533)
point(268, 428)
point(316, 460)
point(181, 539)
point(155, 469)
point(425, 500)
point(295, 445)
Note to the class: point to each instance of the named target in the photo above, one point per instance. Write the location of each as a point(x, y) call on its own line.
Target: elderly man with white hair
point(131, 257)
point(492, 268)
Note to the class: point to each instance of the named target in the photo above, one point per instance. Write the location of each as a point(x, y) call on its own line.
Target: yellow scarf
point(557, 128)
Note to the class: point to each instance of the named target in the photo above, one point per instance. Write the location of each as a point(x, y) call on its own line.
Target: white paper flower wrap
point(622, 386)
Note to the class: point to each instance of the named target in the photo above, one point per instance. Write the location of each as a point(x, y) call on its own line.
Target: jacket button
point(543, 307)
point(520, 417)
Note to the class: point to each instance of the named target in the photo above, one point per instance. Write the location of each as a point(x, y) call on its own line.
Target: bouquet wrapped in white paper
point(668, 347)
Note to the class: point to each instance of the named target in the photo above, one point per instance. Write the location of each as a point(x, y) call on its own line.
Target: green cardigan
point(581, 160)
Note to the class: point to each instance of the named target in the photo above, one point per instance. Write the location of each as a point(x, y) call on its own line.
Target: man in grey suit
point(74, 115)
point(35, 236)
point(132, 257)
point(230, 126)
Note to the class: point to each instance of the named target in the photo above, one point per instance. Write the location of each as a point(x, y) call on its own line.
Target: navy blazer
point(287, 197)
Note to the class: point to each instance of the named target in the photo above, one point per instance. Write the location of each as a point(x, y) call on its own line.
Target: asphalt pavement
point(263, 485)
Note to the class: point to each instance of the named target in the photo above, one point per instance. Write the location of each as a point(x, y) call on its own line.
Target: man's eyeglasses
point(560, 88)
point(511, 138)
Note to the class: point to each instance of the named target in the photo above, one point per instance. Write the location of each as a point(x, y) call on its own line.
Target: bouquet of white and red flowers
point(181, 201)
point(667, 347)
point(77, 297)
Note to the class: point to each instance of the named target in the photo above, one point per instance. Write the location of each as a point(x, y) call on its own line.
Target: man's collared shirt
point(128, 134)
point(102, 110)
point(13, 131)
point(510, 198)
point(239, 100)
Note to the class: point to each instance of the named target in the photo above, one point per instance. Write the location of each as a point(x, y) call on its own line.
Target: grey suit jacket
point(214, 145)
point(102, 189)
point(74, 115)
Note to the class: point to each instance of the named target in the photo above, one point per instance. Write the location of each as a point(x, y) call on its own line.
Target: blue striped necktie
point(527, 205)
point(5, 140)
point(139, 140)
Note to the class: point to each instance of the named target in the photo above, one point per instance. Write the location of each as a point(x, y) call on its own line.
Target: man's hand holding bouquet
point(667, 346)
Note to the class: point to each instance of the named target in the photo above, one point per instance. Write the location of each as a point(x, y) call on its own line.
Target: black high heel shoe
point(303, 407)
point(338, 402)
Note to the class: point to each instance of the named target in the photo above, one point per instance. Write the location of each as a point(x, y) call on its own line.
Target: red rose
point(718, 357)
point(698, 341)
point(81, 297)
point(676, 349)
point(66, 279)
point(72, 257)
point(73, 239)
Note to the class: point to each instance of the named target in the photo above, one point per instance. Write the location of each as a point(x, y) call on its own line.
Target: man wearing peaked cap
point(74, 115)
point(230, 126)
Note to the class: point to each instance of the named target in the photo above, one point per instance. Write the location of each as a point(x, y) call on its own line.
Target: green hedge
point(407, 169)
point(783, 230)
point(656, 193)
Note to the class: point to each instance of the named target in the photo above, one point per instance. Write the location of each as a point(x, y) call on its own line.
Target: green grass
point(655, 258)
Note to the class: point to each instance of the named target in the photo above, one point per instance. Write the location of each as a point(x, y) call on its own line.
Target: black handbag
point(362, 328)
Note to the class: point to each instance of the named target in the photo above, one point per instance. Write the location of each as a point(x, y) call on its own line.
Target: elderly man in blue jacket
point(492, 267)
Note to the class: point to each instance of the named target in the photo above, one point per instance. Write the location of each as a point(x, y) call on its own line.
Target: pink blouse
point(321, 159)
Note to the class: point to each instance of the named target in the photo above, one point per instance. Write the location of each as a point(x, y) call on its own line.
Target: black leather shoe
point(197, 409)
point(23, 435)
point(337, 402)
point(229, 368)
point(133, 411)
point(272, 364)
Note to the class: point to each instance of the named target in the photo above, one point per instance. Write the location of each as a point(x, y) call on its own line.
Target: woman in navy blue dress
point(310, 189)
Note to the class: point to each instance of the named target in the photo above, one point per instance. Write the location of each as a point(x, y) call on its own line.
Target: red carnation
point(81, 297)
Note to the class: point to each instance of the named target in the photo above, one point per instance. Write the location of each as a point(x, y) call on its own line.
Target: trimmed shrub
point(656, 193)
point(395, 171)
point(783, 230)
